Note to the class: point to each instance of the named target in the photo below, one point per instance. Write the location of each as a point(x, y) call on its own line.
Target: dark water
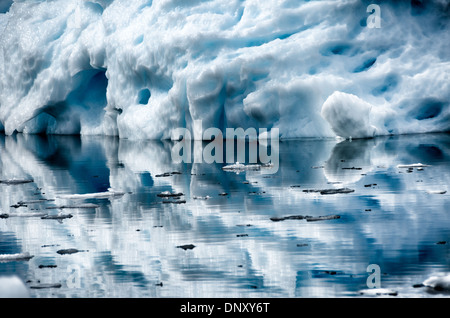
point(129, 245)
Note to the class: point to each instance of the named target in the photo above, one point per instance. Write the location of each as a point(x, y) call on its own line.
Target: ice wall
point(140, 69)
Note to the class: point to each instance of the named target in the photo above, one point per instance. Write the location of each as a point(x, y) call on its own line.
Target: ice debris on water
point(16, 181)
point(186, 247)
point(111, 193)
point(378, 292)
point(414, 165)
point(239, 167)
point(308, 218)
point(26, 256)
point(439, 283)
point(168, 194)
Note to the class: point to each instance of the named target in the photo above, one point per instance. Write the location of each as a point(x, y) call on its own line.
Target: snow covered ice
point(140, 69)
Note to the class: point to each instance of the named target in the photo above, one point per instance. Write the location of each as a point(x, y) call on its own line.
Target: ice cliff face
point(140, 69)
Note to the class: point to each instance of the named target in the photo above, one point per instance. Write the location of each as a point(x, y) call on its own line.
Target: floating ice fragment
point(414, 165)
point(42, 286)
point(99, 195)
point(68, 251)
point(437, 191)
point(336, 191)
point(75, 206)
point(168, 194)
point(440, 283)
point(16, 181)
point(378, 292)
point(186, 247)
point(238, 167)
point(57, 217)
point(174, 201)
point(15, 257)
point(305, 217)
point(201, 198)
point(290, 217)
point(322, 218)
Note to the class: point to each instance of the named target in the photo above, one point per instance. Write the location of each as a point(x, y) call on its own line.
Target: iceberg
point(142, 69)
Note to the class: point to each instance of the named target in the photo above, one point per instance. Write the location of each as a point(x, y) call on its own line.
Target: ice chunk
point(16, 181)
point(15, 257)
point(348, 116)
point(168, 194)
point(78, 206)
point(378, 292)
point(437, 191)
point(99, 195)
point(414, 165)
point(57, 217)
point(439, 283)
point(238, 167)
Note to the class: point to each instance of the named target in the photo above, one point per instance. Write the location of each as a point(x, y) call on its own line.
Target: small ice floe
point(330, 191)
point(438, 283)
point(239, 167)
point(201, 198)
point(168, 194)
point(75, 206)
point(308, 218)
point(378, 292)
point(37, 201)
point(43, 286)
point(69, 251)
point(59, 216)
point(16, 181)
point(290, 217)
point(174, 201)
point(27, 214)
point(437, 191)
point(15, 257)
point(186, 247)
point(414, 165)
point(111, 193)
point(322, 218)
point(13, 287)
point(167, 174)
point(336, 191)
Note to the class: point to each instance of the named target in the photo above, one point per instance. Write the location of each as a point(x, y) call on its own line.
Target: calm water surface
point(129, 246)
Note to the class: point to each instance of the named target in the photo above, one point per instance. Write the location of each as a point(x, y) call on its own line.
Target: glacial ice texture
point(140, 69)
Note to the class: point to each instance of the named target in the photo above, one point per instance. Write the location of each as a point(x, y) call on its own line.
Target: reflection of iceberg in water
point(350, 160)
point(132, 240)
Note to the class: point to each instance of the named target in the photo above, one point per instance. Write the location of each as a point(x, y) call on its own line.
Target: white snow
point(141, 69)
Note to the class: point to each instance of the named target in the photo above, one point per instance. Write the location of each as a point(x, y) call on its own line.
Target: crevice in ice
point(336, 48)
point(366, 65)
point(428, 108)
point(390, 82)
